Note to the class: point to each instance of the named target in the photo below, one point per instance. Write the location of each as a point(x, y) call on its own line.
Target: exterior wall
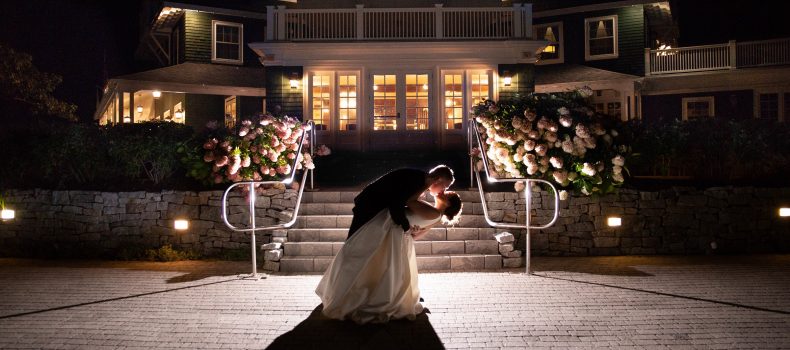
point(200, 109)
point(523, 82)
point(738, 104)
point(674, 221)
point(197, 36)
point(315, 4)
point(631, 39)
point(279, 92)
point(248, 107)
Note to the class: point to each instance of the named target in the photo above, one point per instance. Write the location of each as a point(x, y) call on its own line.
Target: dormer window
point(601, 38)
point(226, 40)
point(554, 51)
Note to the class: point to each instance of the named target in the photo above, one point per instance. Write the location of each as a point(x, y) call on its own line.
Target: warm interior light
point(127, 119)
point(784, 212)
point(550, 49)
point(614, 221)
point(507, 79)
point(294, 83)
point(157, 94)
point(375, 87)
point(139, 109)
point(425, 86)
point(181, 224)
point(179, 114)
point(7, 214)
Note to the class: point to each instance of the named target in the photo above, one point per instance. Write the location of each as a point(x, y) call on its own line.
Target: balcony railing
point(374, 24)
point(714, 57)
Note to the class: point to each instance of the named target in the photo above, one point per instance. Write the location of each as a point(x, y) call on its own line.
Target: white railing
point(362, 23)
point(715, 57)
point(473, 136)
point(307, 137)
point(764, 53)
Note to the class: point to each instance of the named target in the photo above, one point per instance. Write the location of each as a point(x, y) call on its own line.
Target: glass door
point(401, 110)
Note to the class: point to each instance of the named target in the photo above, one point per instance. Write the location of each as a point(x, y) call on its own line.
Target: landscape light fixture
point(7, 214)
point(507, 78)
point(181, 224)
point(784, 212)
point(614, 221)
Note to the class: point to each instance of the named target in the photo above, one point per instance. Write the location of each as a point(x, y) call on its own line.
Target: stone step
point(420, 247)
point(344, 221)
point(309, 208)
point(348, 196)
point(339, 234)
point(439, 262)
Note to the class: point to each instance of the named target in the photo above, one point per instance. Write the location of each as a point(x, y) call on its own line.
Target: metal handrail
point(287, 180)
point(474, 134)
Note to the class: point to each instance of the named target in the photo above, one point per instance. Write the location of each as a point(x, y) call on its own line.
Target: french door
point(401, 113)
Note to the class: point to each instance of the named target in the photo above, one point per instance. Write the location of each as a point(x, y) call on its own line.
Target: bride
point(373, 278)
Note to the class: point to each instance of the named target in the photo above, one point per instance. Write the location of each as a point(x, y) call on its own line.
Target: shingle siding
point(279, 94)
point(631, 39)
point(197, 37)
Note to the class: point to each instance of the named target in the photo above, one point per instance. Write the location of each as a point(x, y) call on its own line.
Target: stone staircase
point(322, 226)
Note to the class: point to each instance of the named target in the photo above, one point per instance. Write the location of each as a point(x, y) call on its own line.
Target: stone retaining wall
point(676, 221)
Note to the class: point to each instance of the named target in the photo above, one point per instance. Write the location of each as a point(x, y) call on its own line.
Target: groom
point(394, 191)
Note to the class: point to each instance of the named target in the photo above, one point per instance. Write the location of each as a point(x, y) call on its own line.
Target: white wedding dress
point(373, 278)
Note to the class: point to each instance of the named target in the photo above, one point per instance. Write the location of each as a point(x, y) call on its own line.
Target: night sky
point(86, 40)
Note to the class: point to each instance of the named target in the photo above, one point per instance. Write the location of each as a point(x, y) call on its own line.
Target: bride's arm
point(420, 233)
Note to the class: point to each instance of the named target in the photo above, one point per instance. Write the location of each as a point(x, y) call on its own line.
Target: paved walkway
point(644, 302)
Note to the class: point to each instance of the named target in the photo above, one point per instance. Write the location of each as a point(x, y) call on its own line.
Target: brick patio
point(646, 302)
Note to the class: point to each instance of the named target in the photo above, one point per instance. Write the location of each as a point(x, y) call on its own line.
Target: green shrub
point(147, 150)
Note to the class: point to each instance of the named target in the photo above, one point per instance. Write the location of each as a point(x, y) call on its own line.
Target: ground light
point(181, 224)
point(784, 212)
point(614, 221)
point(7, 214)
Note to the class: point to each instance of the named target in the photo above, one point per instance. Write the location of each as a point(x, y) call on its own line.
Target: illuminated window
point(109, 116)
point(601, 37)
point(698, 107)
point(126, 110)
point(417, 88)
point(480, 87)
point(347, 95)
point(453, 101)
point(321, 101)
point(551, 32)
point(226, 38)
point(385, 115)
point(230, 112)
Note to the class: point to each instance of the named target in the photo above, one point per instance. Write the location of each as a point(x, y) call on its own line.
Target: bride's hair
point(453, 211)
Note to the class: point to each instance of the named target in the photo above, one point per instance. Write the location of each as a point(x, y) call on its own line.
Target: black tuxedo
point(389, 191)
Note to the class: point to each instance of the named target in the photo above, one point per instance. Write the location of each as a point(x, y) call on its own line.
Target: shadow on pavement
point(319, 332)
point(193, 270)
point(628, 265)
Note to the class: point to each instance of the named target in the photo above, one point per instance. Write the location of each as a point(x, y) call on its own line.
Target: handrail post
point(517, 32)
point(281, 22)
point(527, 250)
point(733, 54)
point(647, 61)
point(360, 19)
point(270, 23)
point(438, 21)
point(253, 245)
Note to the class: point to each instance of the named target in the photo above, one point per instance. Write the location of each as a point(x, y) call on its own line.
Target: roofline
point(219, 10)
point(591, 8)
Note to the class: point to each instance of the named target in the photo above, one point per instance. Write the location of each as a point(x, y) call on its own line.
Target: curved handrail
point(528, 189)
point(287, 180)
point(474, 134)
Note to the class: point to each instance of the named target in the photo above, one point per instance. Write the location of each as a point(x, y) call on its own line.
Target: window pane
point(601, 37)
point(321, 101)
point(479, 87)
point(769, 106)
point(347, 108)
point(385, 116)
point(453, 101)
point(552, 35)
point(417, 101)
point(227, 42)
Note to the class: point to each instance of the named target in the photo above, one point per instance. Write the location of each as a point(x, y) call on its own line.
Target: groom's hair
point(443, 171)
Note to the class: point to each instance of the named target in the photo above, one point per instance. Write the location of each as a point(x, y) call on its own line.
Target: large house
point(403, 75)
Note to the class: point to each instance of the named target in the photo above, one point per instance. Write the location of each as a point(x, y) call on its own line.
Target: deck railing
point(715, 57)
point(375, 24)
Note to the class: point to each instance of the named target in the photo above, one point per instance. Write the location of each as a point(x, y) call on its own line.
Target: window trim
point(465, 97)
point(711, 102)
point(615, 34)
point(560, 42)
point(214, 58)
